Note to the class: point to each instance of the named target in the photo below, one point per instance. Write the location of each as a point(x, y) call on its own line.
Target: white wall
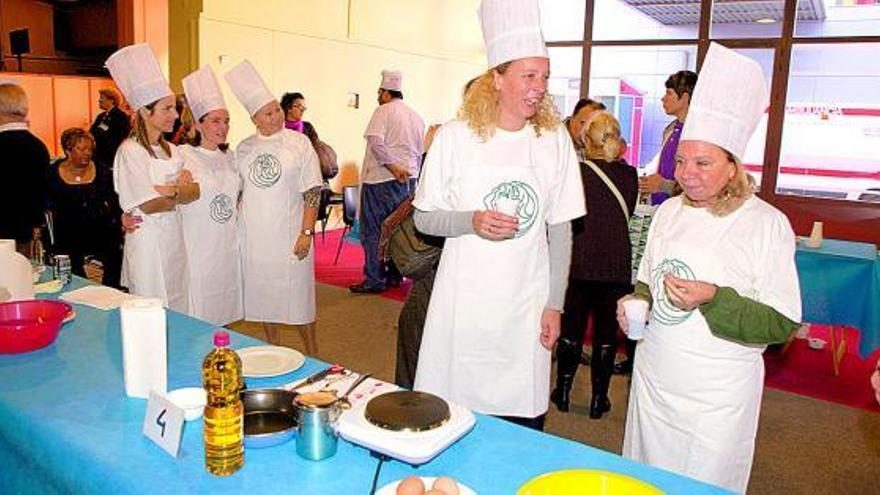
point(327, 49)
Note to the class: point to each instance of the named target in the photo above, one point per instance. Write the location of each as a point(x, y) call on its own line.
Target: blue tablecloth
point(66, 426)
point(840, 285)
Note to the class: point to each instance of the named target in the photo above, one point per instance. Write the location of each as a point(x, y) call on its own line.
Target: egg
point(447, 485)
point(412, 485)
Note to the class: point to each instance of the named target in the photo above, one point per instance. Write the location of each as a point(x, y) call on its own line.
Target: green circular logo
point(222, 208)
point(663, 310)
point(517, 197)
point(265, 170)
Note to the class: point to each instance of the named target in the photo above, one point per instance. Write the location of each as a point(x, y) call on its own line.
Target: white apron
point(275, 172)
point(695, 398)
point(154, 260)
point(481, 346)
point(211, 233)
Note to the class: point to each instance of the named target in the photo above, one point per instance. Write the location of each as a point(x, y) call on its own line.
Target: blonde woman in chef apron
point(149, 179)
point(719, 271)
point(210, 224)
point(501, 183)
point(281, 189)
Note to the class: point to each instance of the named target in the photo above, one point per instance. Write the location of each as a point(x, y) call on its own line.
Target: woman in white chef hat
point(281, 189)
point(501, 183)
point(210, 224)
point(148, 178)
point(719, 271)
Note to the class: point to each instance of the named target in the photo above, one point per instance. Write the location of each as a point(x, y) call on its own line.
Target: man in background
point(110, 129)
point(388, 175)
point(25, 161)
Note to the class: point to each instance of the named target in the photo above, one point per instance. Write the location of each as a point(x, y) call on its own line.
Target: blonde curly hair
point(480, 107)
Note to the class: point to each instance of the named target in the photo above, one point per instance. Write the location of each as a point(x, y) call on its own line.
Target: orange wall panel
point(58, 102)
point(71, 106)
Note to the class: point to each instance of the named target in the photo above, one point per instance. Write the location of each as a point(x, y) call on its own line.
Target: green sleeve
point(644, 292)
point(733, 317)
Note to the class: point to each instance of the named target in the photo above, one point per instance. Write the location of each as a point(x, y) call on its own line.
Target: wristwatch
point(308, 232)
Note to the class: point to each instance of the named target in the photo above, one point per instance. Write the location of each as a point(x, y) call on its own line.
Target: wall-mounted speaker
point(19, 41)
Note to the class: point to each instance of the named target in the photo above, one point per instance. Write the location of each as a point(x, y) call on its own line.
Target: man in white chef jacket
point(502, 186)
point(388, 173)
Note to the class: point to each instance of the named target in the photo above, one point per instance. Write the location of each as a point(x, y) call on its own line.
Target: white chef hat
point(392, 80)
point(728, 101)
point(203, 92)
point(511, 30)
point(247, 85)
point(136, 72)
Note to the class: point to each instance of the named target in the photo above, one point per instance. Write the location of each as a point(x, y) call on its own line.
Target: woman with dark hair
point(85, 210)
point(294, 106)
point(600, 272)
point(148, 176)
point(210, 224)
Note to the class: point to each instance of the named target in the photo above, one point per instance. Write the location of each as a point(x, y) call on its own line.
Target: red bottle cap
point(221, 339)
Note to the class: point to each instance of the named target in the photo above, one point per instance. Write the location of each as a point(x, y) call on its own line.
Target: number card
point(163, 423)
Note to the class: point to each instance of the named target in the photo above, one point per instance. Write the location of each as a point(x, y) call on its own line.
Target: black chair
point(350, 196)
point(329, 200)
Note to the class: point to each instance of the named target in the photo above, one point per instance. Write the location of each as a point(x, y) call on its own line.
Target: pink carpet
point(799, 370)
point(350, 269)
point(810, 372)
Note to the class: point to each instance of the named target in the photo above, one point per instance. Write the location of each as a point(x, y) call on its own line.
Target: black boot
point(625, 367)
point(601, 369)
point(568, 356)
point(561, 395)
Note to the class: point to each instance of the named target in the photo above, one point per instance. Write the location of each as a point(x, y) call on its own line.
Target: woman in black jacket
point(601, 270)
point(85, 209)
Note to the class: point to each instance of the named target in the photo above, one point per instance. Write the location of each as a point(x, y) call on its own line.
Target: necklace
point(77, 174)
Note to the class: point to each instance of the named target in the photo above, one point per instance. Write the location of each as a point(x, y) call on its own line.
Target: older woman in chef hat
point(210, 224)
point(149, 179)
point(719, 272)
point(281, 189)
point(501, 183)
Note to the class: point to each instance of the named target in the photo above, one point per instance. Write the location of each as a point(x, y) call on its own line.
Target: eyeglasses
point(300, 107)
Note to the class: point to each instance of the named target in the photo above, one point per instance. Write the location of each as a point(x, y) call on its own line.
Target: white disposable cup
point(507, 206)
point(636, 317)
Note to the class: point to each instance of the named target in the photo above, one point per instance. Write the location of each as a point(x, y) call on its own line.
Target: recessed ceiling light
point(766, 20)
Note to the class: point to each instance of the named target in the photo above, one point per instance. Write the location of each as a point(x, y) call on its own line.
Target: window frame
point(843, 219)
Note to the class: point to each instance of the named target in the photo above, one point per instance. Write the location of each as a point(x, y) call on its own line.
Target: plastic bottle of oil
point(224, 414)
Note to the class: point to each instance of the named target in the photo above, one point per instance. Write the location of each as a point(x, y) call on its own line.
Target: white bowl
point(192, 400)
point(817, 344)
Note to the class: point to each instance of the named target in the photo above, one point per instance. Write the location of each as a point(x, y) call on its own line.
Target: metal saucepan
point(269, 417)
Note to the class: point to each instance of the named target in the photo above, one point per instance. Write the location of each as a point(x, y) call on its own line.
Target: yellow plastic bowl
point(586, 481)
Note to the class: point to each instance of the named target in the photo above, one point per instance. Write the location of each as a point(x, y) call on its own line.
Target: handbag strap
point(611, 186)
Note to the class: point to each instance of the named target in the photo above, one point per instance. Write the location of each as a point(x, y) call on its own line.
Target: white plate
point(267, 360)
point(391, 488)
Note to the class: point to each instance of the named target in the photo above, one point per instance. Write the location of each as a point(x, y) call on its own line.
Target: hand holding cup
point(494, 225)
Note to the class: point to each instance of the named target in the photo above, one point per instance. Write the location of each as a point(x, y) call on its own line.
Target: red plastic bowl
point(30, 325)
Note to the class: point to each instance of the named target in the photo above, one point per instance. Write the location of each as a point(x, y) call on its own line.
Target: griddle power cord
point(382, 458)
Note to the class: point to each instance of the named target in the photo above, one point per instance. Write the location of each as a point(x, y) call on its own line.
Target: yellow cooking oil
point(224, 414)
